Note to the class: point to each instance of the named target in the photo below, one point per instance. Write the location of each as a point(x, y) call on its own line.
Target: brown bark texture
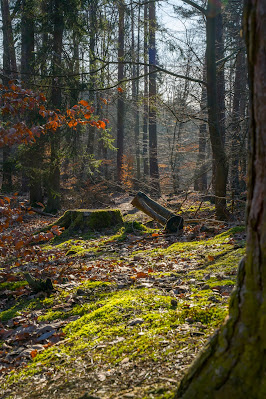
point(145, 103)
point(154, 169)
point(53, 203)
point(219, 156)
point(233, 364)
point(120, 100)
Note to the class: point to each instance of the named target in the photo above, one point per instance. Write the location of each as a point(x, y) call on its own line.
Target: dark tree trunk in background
point(53, 203)
point(154, 170)
point(135, 90)
point(236, 149)
point(9, 72)
point(9, 56)
point(219, 156)
point(31, 175)
point(233, 364)
point(27, 41)
point(219, 46)
point(200, 183)
point(92, 22)
point(146, 97)
point(120, 100)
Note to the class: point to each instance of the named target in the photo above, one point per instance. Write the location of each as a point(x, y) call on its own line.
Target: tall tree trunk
point(92, 97)
point(53, 203)
point(120, 100)
point(9, 55)
point(9, 71)
point(219, 156)
point(31, 177)
point(219, 46)
point(236, 127)
point(154, 170)
point(200, 182)
point(27, 41)
point(146, 99)
point(233, 365)
point(135, 90)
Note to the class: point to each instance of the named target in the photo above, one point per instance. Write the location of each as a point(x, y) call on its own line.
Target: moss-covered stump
point(89, 219)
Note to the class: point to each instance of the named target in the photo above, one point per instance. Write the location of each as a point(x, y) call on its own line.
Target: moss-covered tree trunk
point(233, 364)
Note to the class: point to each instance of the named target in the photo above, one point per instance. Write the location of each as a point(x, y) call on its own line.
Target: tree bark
point(233, 364)
point(154, 169)
point(9, 55)
point(200, 183)
point(146, 97)
point(135, 90)
point(92, 21)
point(9, 71)
point(27, 41)
point(53, 203)
point(219, 156)
point(120, 100)
point(219, 47)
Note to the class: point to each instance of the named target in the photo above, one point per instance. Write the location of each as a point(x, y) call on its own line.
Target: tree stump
point(89, 219)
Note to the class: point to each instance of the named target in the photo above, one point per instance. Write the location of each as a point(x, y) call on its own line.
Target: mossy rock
point(89, 219)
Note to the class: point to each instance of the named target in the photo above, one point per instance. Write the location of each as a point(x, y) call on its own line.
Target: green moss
point(103, 331)
point(12, 285)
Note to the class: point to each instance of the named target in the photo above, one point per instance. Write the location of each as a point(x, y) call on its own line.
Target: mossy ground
point(133, 335)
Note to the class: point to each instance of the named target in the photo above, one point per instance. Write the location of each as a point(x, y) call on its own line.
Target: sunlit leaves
point(17, 103)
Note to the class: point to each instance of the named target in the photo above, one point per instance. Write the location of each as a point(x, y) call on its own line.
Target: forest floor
point(132, 307)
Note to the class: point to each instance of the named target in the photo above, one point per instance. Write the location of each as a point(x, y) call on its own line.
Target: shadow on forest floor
point(131, 309)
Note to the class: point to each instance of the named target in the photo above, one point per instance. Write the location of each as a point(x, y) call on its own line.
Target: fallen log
point(171, 222)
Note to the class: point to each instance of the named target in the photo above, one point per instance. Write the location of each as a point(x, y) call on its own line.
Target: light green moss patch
point(12, 285)
point(113, 322)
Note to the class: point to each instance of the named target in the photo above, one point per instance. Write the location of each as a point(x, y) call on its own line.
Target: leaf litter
point(178, 288)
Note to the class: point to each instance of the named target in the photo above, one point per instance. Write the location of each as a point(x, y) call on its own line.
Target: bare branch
point(195, 5)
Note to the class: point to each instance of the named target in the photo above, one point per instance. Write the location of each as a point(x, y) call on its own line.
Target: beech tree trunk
point(53, 203)
point(146, 99)
point(219, 156)
point(120, 101)
point(9, 71)
point(135, 88)
point(92, 20)
point(154, 169)
point(27, 40)
point(233, 364)
point(200, 182)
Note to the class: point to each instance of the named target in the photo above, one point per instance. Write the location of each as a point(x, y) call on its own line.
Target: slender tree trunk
point(92, 97)
point(233, 364)
point(31, 180)
point(27, 41)
point(44, 37)
point(200, 183)
point(9, 71)
point(146, 98)
point(53, 203)
point(120, 101)
point(219, 46)
point(236, 127)
point(135, 91)
point(154, 169)
point(9, 55)
point(219, 156)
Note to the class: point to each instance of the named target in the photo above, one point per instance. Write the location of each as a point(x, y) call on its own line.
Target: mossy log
point(89, 219)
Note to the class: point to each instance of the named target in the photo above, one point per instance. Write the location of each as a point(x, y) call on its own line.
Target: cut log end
point(174, 224)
